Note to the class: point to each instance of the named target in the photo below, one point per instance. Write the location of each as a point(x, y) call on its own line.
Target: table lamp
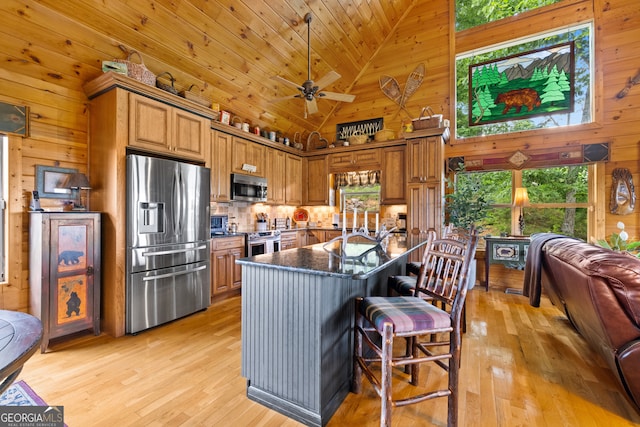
point(77, 182)
point(521, 199)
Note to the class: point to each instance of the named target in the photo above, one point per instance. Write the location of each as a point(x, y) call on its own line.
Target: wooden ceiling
point(228, 48)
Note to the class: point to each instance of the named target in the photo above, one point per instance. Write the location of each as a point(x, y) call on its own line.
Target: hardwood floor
point(521, 366)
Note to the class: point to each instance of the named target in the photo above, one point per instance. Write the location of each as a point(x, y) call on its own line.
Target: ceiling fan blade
point(343, 97)
point(287, 82)
point(284, 98)
point(312, 106)
point(327, 79)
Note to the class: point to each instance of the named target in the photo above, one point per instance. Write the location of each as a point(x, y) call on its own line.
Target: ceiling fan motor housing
point(309, 90)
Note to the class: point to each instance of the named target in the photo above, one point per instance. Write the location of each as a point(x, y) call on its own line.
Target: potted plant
point(619, 242)
point(467, 206)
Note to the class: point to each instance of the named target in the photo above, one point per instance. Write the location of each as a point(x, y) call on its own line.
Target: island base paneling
point(297, 338)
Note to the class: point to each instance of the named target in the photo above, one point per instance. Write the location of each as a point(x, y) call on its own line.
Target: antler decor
point(632, 82)
point(391, 88)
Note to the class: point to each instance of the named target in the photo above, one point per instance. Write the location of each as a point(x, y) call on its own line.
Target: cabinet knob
point(90, 270)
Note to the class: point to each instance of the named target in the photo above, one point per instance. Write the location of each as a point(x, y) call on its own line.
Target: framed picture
point(366, 127)
point(225, 117)
point(14, 119)
point(50, 181)
point(524, 85)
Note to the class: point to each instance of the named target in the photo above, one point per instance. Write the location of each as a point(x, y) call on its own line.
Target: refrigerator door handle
point(177, 194)
point(174, 251)
point(178, 273)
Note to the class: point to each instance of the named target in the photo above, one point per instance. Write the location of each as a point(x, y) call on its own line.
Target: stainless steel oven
point(263, 242)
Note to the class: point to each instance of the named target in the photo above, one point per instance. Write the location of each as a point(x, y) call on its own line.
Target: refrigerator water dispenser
point(150, 217)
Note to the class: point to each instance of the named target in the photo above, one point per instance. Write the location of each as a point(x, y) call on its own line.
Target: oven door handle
point(174, 251)
point(177, 273)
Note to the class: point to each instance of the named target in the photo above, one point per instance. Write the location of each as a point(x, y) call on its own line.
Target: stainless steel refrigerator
point(168, 241)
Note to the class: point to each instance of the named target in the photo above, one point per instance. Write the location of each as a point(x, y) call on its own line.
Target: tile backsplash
point(245, 214)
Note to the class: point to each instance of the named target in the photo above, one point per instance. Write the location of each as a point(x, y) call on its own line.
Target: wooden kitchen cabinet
point(159, 127)
point(424, 211)
point(293, 180)
point(111, 135)
point(248, 152)
point(331, 234)
point(226, 275)
point(288, 240)
point(311, 237)
point(220, 163)
point(276, 176)
point(64, 272)
point(425, 189)
point(424, 158)
point(392, 176)
point(354, 160)
point(316, 181)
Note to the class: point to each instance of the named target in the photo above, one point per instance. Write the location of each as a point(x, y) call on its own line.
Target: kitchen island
point(297, 320)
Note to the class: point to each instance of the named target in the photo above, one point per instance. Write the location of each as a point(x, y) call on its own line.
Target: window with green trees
point(558, 199)
point(471, 13)
point(524, 71)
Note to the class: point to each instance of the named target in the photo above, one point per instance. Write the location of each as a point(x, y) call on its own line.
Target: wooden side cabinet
point(64, 272)
point(226, 275)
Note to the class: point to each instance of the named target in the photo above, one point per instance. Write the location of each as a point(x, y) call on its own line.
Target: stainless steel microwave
point(219, 224)
point(248, 188)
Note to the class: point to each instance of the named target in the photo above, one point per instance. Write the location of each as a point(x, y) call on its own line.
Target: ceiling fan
point(309, 90)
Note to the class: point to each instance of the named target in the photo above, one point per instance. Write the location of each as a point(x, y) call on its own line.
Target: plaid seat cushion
point(413, 267)
point(403, 285)
point(407, 314)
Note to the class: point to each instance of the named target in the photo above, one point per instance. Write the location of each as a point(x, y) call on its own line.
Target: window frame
point(4, 178)
point(516, 181)
point(544, 19)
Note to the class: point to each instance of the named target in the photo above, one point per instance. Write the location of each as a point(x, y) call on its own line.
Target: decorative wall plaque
point(14, 119)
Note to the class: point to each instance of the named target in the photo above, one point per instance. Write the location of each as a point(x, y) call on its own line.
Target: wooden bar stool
point(434, 333)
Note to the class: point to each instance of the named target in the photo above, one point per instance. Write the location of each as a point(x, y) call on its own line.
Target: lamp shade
point(77, 181)
point(521, 197)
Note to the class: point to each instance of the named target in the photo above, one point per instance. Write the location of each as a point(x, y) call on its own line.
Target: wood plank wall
point(41, 69)
point(424, 36)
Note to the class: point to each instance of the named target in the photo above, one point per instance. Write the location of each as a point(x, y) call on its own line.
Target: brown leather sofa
point(599, 291)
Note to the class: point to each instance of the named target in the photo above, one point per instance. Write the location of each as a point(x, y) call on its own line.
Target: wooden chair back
point(444, 270)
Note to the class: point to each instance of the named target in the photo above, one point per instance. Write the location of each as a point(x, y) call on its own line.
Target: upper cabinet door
point(317, 181)
point(293, 180)
point(354, 160)
point(158, 127)
point(150, 124)
point(220, 155)
point(275, 174)
point(247, 152)
point(424, 156)
point(189, 135)
point(393, 185)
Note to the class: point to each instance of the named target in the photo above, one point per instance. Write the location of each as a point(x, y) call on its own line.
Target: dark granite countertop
point(363, 257)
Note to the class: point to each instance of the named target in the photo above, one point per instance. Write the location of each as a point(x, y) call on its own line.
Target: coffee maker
point(402, 222)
